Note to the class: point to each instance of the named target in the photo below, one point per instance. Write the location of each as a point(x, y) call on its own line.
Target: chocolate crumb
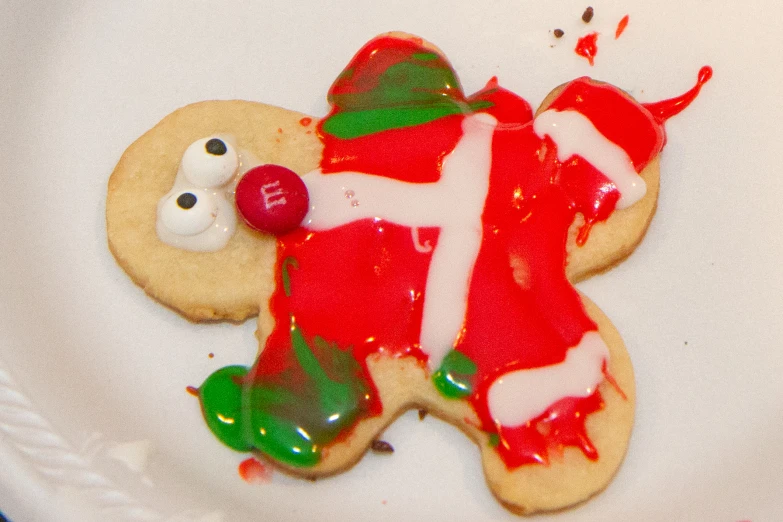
point(587, 15)
point(422, 414)
point(559, 33)
point(381, 446)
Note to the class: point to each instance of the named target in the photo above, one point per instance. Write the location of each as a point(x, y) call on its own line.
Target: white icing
point(186, 229)
point(209, 170)
point(193, 220)
point(522, 395)
point(454, 204)
point(574, 134)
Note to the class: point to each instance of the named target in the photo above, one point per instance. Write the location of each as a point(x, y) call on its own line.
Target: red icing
point(251, 470)
point(621, 27)
point(587, 47)
point(361, 285)
point(304, 122)
point(663, 110)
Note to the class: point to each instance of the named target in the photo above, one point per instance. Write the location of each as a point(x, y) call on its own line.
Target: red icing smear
point(663, 110)
point(587, 47)
point(621, 27)
point(304, 122)
point(361, 285)
point(254, 471)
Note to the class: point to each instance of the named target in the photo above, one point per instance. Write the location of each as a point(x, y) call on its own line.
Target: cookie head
point(171, 214)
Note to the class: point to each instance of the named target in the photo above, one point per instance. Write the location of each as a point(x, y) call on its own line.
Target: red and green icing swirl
point(356, 290)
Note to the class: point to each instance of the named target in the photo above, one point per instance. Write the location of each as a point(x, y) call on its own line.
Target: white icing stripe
point(575, 134)
point(522, 395)
point(454, 204)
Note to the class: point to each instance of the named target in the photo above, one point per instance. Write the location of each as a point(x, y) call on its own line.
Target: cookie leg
point(521, 395)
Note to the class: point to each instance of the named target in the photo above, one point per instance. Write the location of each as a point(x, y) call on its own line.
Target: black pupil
point(186, 200)
point(216, 147)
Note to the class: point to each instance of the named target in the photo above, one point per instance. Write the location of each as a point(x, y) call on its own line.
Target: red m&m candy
point(272, 199)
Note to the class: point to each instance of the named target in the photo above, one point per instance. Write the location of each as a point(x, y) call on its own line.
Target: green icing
point(335, 398)
point(221, 400)
point(413, 90)
point(291, 418)
point(403, 83)
point(425, 57)
point(348, 125)
point(286, 276)
point(454, 378)
point(494, 440)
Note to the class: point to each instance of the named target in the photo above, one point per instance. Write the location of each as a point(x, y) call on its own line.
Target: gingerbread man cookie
point(425, 259)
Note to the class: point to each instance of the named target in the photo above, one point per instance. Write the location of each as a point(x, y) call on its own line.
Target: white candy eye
point(210, 162)
point(188, 213)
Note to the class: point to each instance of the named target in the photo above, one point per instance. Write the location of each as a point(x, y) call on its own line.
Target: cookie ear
point(227, 283)
point(612, 240)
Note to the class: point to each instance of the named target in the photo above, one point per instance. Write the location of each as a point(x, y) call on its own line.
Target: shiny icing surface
point(437, 231)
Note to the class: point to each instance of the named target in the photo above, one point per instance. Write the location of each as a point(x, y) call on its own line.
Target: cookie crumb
point(211, 355)
point(422, 414)
point(587, 15)
point(558, 33)
point(192, 390)
point(381, 446)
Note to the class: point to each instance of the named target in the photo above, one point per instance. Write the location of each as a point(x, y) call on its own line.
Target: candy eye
point(188, 213)
point(210, 162)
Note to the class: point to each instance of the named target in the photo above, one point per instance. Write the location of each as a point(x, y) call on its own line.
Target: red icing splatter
point(611, 380)
point(254, 471)
point(621, 27)
point(304, 122)
point(587, 47)
point(663, 110)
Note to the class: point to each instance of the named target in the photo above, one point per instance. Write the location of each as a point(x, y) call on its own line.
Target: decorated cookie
point(425, 259)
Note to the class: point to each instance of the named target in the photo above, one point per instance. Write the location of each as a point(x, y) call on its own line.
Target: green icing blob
point(454, 378)
point(288, 419)
point(221, 402)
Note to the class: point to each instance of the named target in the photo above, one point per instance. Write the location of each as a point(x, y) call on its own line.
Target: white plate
point(94, 420)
